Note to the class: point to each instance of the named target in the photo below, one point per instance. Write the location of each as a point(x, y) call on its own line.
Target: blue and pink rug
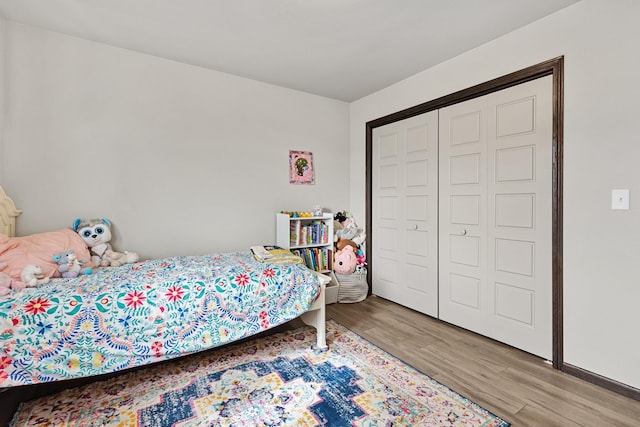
point(272, 381)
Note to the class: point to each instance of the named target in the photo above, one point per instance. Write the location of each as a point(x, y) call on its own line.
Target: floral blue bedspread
point(121, 317)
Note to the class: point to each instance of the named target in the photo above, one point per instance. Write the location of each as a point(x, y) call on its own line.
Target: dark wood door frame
point(555, 68)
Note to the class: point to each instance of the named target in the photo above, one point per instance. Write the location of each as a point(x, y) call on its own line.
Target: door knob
point(415, 226)
point(463, 232)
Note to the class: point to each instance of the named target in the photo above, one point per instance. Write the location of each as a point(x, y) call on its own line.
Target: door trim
point(554, 67)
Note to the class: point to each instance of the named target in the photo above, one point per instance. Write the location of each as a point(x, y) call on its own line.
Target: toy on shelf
point(299, 214)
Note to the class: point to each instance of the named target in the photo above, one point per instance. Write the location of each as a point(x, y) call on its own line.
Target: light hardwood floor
point(512, 384)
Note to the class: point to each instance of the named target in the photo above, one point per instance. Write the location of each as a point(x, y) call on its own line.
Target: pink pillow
point(39, 249)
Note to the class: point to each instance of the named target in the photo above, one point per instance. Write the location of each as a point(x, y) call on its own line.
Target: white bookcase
point(309, 237)
point(312, 239)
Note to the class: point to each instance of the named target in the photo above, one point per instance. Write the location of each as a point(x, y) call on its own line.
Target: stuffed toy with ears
point(344, 226)
point(32, 275)
point(69, 265)
point(117, 259)
point(96, 233)
point(361, 261)
point(344, 261)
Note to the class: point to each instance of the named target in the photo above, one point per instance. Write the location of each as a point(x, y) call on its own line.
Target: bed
point(123, 317)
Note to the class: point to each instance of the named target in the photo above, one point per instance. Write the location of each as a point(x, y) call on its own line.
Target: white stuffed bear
point(118, 258)
point(32, 275)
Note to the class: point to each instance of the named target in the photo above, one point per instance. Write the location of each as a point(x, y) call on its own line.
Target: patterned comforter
point(121, 317)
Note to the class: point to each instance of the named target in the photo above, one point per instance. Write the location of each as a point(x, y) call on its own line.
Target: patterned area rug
point(272, 381)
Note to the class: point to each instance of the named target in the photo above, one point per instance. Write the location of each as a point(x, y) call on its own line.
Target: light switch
point(620, 199)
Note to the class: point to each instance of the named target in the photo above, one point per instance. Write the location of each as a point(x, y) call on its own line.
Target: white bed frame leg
point(316, 316)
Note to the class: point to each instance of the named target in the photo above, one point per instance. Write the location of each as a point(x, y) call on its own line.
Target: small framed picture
point(301, 169)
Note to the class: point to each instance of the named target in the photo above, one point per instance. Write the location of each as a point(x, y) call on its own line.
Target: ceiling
point(341, 49)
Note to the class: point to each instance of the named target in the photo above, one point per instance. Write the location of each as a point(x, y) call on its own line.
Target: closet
point(461, 214)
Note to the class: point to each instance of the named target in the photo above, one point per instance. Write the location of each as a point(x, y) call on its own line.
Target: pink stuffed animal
point(7, 283)
point(344, 260)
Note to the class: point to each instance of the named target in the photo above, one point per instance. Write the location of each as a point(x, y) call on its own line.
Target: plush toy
point(344, 226)
point(8, 283)
point(32, 275)
point(342, 243)
point(360, 258)
point(96, 233)
point(5, 284)
point(118, 258)
point(69, 265)
point(344, 261)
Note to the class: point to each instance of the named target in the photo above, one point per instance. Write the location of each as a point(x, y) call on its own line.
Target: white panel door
point(495, 216)
point(405, 213)
point(463, 214)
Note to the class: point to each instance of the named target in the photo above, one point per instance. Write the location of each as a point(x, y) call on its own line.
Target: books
point(318, 259)
point(260, 253)
point(315, 233)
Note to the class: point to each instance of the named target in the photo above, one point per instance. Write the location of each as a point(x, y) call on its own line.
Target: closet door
point(495, 216)
point(405, 213)
point(463, 214)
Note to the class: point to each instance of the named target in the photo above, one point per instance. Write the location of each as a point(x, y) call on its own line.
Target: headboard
point(8, 214)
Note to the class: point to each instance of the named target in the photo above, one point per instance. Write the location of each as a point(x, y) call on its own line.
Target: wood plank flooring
point(517, 386)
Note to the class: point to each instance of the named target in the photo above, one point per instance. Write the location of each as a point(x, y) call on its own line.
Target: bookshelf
point(309, 237)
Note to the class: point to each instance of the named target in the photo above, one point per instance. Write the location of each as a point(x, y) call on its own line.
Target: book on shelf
point(294, 233)
point(318, 259)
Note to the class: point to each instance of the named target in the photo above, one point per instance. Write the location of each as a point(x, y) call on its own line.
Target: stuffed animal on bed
point(32, 275)
point(117, 259)
point(8, 283)
point(69, 265)
point(96, 233)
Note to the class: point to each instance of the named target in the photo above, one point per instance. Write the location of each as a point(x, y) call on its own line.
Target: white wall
point(182, 160)
point(599, 40)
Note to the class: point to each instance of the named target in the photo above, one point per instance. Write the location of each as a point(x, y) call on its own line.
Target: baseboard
point(603, 382)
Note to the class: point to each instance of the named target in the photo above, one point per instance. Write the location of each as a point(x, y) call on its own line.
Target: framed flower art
point(301, 169)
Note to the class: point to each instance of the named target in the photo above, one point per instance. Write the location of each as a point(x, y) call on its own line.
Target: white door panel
point(405, 213)
point(463, 214)
point(495, 206)
point(520, 229)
